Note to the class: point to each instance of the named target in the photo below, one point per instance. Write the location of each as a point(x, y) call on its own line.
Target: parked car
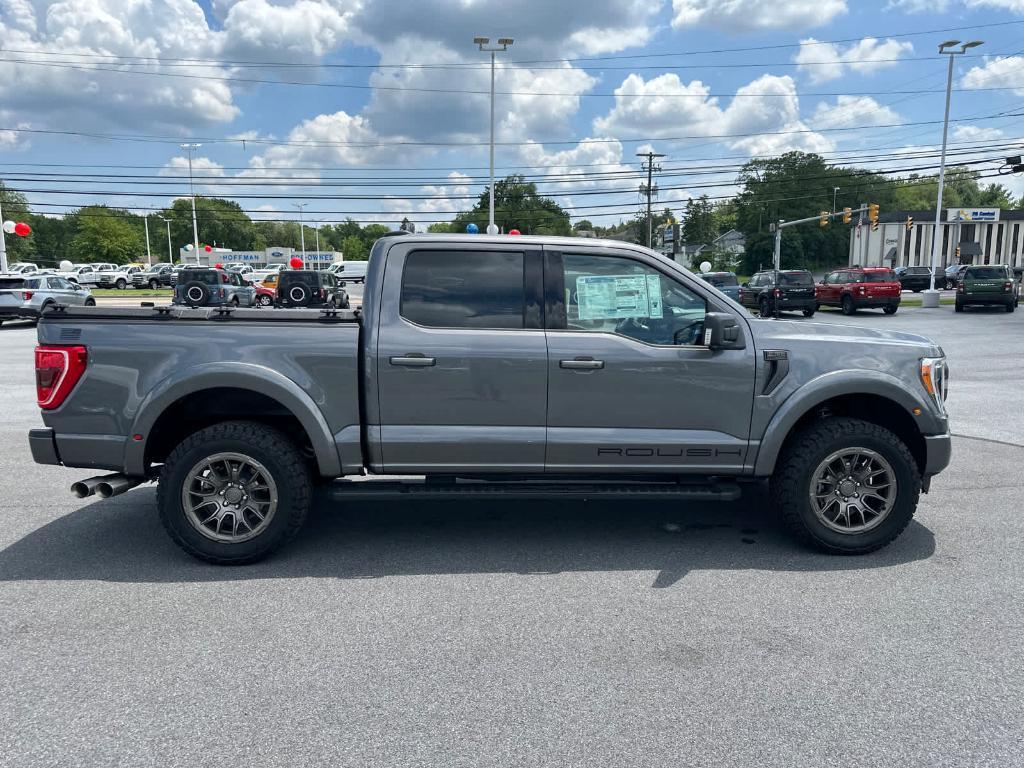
point(29, 297)
point(266, 291)
point(494, 366)
point(119, 277)
point(209, 287)
point(724, 281)
point(309, 288)
point(260, 275)
point(245, 270)
point(794, 292)
point(79, 273)
point(989, 284)
point(953, 274)
point(860, 288)
point(918, 279)
point(349, 271)
point(157, 276)
point(25, 269)
point(91, 278)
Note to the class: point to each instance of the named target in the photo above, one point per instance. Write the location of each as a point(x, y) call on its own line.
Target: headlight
point(935, 378)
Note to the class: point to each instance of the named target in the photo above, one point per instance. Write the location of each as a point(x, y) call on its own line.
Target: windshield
point(986, 273)
point(887, 276)
point(802, 279)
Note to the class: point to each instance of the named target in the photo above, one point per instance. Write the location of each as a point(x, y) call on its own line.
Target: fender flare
point(235, 375)
point(825, 387)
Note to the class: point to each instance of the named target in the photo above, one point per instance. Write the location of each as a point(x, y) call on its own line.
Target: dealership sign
point(972, 214)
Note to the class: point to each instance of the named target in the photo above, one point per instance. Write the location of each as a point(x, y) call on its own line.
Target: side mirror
point(722, 331)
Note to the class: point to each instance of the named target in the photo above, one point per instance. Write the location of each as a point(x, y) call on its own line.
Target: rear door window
point(796, 279)
point(464, 289)
point(879, 277)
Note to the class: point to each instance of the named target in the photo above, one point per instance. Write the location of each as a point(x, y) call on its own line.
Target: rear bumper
point(19, 313)
point(938, 450)
point(43, 446)
point(986, 298)
point(874, 303)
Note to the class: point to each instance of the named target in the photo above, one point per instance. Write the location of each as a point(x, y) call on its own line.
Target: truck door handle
point(581, 364)
point(413, 360)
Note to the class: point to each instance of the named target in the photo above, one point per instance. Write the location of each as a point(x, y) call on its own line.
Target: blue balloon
point(472, 228)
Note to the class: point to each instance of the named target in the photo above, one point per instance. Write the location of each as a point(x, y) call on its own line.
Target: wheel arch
point(876, 400)
point(194, 399)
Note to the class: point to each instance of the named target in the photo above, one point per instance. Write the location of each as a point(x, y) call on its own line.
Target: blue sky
point(385, 101)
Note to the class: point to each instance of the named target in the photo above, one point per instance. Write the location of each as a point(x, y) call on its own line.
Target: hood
point(788, 333)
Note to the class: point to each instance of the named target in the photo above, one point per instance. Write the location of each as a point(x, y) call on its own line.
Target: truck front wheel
point(846, 486)
point(234, 492)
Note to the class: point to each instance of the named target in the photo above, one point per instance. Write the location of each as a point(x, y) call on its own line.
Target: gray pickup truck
point(518, 367)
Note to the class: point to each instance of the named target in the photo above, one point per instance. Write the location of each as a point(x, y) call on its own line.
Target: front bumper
point(43, 446)
point(938, 450)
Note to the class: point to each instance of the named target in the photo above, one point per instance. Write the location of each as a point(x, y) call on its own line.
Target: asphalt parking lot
point(497, 634)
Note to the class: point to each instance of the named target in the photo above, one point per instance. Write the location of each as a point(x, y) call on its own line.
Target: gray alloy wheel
point(853, 490)
point(263, 300)
point(229, 497)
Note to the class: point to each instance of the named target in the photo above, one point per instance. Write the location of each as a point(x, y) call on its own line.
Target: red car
point(265, 294)
point(860, 288)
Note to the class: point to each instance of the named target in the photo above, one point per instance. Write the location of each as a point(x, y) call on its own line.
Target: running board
point(363, 490)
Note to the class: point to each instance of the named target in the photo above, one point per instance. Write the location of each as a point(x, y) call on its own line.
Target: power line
point(403, 143)
point(464, 92)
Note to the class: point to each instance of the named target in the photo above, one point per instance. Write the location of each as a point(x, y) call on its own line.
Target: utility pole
point(3, 243)
point(302, 231)
point(649, 190)
point(170, 255)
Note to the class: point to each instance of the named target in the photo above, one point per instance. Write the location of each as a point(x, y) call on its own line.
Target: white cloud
point(201, 166)
point(849, 111)
point(304, 31)
point(997, 73)
point(593, 41)
point(827, 61)
point(976, 133)
point(746, 15)
point(766, 112)
point(941, 6)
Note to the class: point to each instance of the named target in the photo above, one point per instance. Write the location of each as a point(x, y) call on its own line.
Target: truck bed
point(200, 314)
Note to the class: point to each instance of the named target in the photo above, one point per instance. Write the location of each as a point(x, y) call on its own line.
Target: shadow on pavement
point(122, 540)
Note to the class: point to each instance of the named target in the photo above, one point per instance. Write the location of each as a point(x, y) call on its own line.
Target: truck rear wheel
point(846, 486)
point(234, 492)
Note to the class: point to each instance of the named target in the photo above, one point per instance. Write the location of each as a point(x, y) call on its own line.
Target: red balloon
point(295, 263)
point(208, 248)
point(21, 229)
point(218, 266)
point(514, 232)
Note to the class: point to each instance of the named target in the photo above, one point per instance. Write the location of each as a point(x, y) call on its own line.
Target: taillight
point(777, 292)
point(58, 370)
point(222, 293)
point(26, 295)
point(959, 287)
point(1007, 287)
point(863, 290)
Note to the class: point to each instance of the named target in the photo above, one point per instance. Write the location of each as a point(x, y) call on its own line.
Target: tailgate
point(11, 299)
point(984, 286)
point(881, 290)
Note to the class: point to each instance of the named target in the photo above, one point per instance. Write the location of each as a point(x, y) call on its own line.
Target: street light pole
point(190, 148)
point(504, 42)
point(149, 255)
point(317, 230)
point(3, 242)
point(930, 298)
point(170, 255)
point(302, 231)
point(835, 191)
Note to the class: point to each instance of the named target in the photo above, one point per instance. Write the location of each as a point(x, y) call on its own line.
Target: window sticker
point(608, 297)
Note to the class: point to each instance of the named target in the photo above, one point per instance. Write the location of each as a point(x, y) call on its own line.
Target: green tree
point(370, 234)
point(353, 249)
point(517, 205)
point(219, 221)
point(15, 208)
point(699, 225)
point(104, 234)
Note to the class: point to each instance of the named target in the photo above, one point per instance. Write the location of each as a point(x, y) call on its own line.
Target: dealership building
point(258, 259)
point(983, 235)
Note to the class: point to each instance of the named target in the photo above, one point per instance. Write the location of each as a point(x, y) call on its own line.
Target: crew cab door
point(631, 387)
point(460, 360)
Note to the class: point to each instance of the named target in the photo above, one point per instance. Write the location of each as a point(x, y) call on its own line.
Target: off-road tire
point(847, 305)
point(1011, 306)
point(890, 310)
point(195, 294)
point(275, 451)
point(958, 307)
point(808, 313)
point(804, 451)
point(763, 307)
point(299, 295)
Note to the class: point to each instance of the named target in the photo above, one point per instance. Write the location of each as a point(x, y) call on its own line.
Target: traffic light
point(958, 254)
point(873, 213)
point(910, 223)
point(847, 215)
point(823, 219)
